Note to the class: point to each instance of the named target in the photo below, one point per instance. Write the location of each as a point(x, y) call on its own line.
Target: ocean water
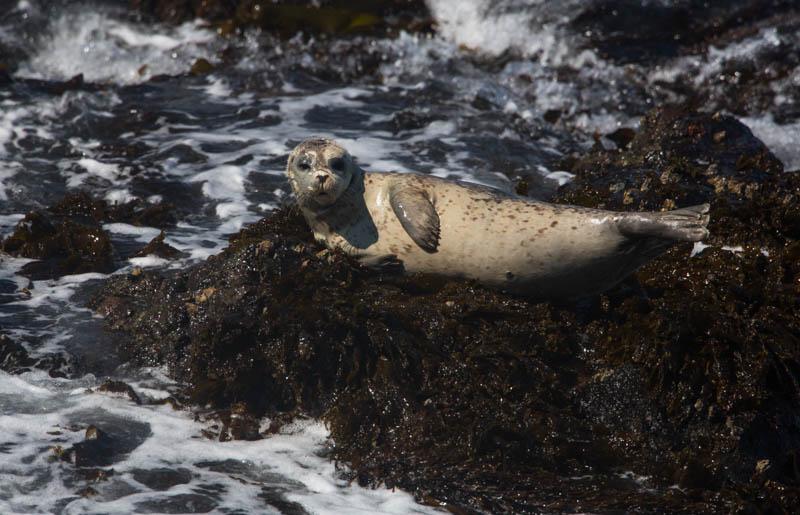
point(468, 102)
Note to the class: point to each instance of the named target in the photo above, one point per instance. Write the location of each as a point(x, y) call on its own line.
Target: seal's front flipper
point(384, 262)
point(687, 224)
point(417, 216)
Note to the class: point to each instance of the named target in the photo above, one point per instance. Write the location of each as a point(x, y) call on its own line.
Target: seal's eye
point(303, 164)
point(337, 164)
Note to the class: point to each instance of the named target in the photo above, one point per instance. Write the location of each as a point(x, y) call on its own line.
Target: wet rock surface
point(103, 444)
point(68, 238)
point(65, 248)
point(685, 374)
point(163, 478)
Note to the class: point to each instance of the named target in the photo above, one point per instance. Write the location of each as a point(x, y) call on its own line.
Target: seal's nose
point(322, 178)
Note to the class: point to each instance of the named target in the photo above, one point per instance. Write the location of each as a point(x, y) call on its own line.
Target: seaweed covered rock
point(68, 238)
point(287, 18)
point(339, 35)
point(678, 157)
point(82, 207)
point(61, 248)
point(685, 374)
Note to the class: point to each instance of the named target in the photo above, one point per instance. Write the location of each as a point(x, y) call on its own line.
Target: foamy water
point(40, 413)
point(218, 143)
point(113, 51)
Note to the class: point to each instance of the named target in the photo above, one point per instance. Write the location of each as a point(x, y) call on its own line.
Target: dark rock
point(65, 248)
point(481, 103)
point(476, 400)
point(68, 238)
point(162, 479)
point(409, 120)
point(276, 498)
point(119, 387)
point(239, 424)
point(104, 444)
point(96, 450)
point(677, 158)
point(88, 492)
point(552, 115)
point(621, 137)
point(157, 247)
point(287, 18)
point(522, 188)
point(83, 208)
point(201, 67)
point(97, 474)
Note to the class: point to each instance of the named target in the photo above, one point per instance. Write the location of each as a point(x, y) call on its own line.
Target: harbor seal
point(433, 225)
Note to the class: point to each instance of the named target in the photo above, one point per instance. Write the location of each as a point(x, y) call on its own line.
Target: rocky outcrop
point(685, 374)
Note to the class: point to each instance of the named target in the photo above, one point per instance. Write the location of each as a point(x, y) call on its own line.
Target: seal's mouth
point(321, 190)
point(329, 187)
point(322, 195)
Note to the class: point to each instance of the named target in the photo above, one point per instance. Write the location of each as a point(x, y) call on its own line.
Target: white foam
point(231, 210)
point(129, 35)
point(6, 173)
point(55, 291)
point(142, 234)
point(699, 247)
point(224, 182)
point(149, 261)
point(15, 385)
point(439, 128)
point(782, 140)
point(12, 123)
point(104, 49)
point(747, 49)
point(10, 220)
point(737, 249)
point(168, 438)
point(107, 171)
point(218, 88)
point(560, 177)
point(475, 26)
point(120, 196)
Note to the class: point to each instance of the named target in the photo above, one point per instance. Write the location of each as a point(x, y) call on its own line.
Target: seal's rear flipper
point(687, 224)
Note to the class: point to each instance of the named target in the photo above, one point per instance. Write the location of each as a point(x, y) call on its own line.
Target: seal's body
point(464, 230)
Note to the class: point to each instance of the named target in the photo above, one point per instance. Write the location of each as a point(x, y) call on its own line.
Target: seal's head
point(320, 171)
